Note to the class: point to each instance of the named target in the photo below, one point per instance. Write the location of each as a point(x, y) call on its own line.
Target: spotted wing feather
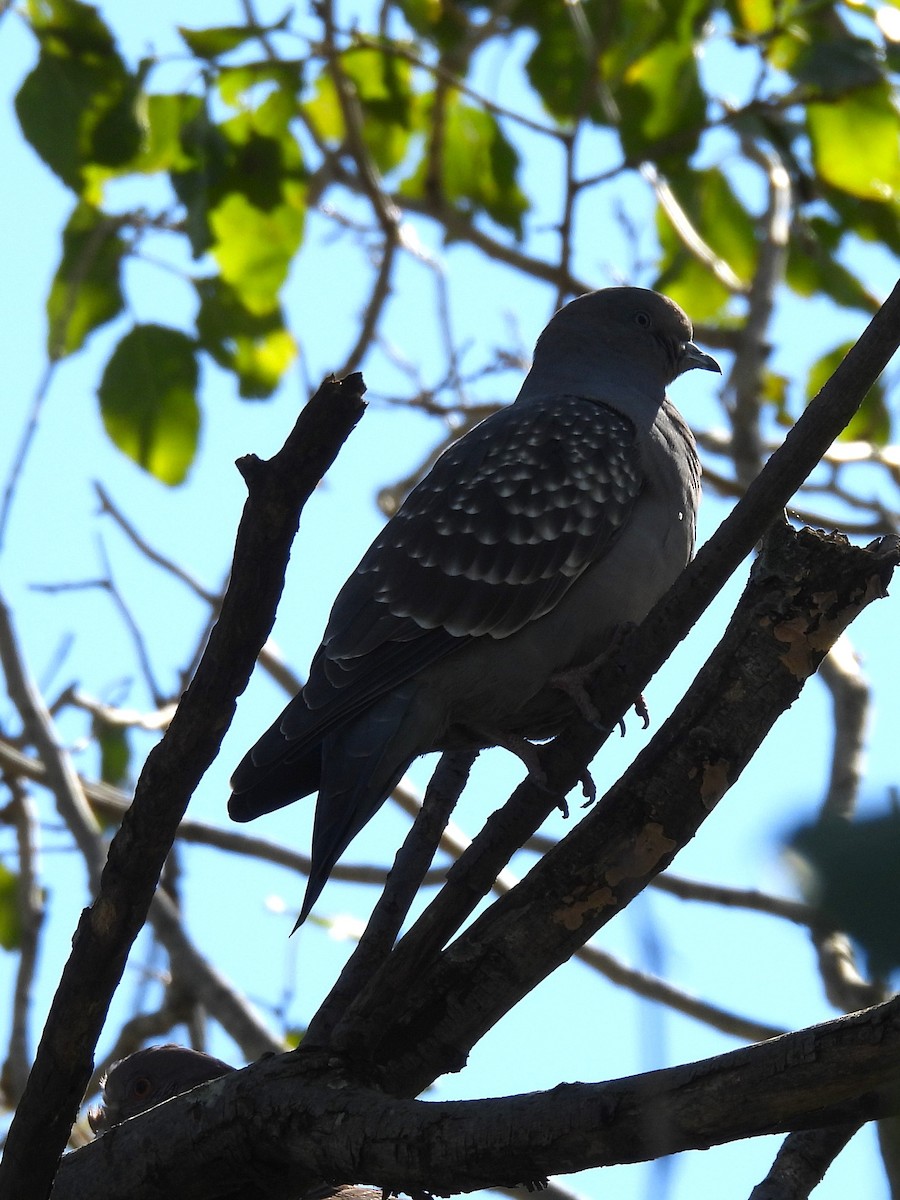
point(504, 523)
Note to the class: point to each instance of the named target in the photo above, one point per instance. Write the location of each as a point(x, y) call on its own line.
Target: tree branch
point(804, 589)
point(277, 489)
point(275, 1125)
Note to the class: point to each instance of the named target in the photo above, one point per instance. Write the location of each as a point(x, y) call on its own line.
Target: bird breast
point(506, 684)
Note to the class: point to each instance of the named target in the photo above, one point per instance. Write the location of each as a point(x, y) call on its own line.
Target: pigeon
point(535, 539)
point(157, 1073)
point(147, 1078)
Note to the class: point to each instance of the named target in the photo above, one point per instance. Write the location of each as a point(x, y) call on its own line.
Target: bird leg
point(524, 750)
point(574, 682)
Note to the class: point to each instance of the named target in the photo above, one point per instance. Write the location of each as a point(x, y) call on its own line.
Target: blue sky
point(574, 1026)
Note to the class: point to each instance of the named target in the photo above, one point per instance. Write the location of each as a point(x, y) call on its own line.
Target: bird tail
point(269, 776)
point(361, 766)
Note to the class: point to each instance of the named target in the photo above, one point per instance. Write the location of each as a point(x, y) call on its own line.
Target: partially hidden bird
point(148, 1077)
point(550, 526)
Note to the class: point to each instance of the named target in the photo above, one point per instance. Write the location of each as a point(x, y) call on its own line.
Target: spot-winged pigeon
point(534, 538)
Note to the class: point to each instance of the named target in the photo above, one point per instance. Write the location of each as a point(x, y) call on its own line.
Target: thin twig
point(344, 1008)
point(802, 1161)
point(278, 491)
point(29, 431)
point(41, 733)
point(745, 381)
point(22, 812)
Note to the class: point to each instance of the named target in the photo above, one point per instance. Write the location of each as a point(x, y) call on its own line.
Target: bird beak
point(98, 1119)
point(692, 356)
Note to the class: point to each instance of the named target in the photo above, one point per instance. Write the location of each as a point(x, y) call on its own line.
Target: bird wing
point(506, 520)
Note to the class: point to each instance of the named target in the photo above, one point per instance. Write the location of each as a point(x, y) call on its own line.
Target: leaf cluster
point(263, 132)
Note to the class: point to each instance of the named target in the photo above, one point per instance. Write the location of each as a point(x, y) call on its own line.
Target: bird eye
point(643, 319)
point(141, 1087)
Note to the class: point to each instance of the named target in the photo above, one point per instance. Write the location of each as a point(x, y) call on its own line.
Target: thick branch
point(647, 648)
point(270, 1124)
point(278, 489)
point(803, 591)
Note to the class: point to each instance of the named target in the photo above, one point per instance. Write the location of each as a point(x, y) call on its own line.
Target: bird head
point(147, 1078)
point(631, 333)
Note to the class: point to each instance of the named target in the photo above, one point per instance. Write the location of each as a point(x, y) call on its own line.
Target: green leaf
point(255, 248)
point(834, 66)
point(557, 68)
point(866, 166)
point(10, 920)
point(690, 283)
point(382, 83)
point(723, 223)
point(115, 753)
point(872, 421)
point(812, 268)
point(258, 349)
point(752, 17)
point(164, 119)
point(662, 104)
point(252, 155)
point(479, 167)
point(210, 43)
point(77, 106)
point(222, 39)
point(850, 873)
point(68, 27)
point(237, 84)
point(775, 391)
point(148, 400)
point(86, 290)
point(255, 166)
point(872, 220)
point(443, 24)
point(200, 187)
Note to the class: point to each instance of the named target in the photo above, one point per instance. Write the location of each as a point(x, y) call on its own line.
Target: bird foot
point(529, 754)
point(574, 682)
point(524, 750)
point(588, 789)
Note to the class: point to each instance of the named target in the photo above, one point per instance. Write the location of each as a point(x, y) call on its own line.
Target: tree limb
point(277, 491)
point(278, 1126)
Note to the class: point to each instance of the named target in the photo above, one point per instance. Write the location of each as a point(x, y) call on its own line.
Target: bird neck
point(633, 388)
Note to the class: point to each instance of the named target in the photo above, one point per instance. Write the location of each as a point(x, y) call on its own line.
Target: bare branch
point(277, 492)
point(284, 1127)
point(30, 905)
point(40, 732)
point(802, 1161)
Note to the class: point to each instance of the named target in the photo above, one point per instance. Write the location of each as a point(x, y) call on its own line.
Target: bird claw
point(588, 789)
point(572, 682)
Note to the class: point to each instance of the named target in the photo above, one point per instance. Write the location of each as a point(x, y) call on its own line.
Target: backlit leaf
point(382, 84)
point(148, 400)
point(258, 349)
point(723, 224)
point(86, 290)
point(254, 248)
point(872, 421)
point(77, 106)
point(867, 166)
point(10, 921)
point(221, 39)
point(661, 101)
point(479, 166)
